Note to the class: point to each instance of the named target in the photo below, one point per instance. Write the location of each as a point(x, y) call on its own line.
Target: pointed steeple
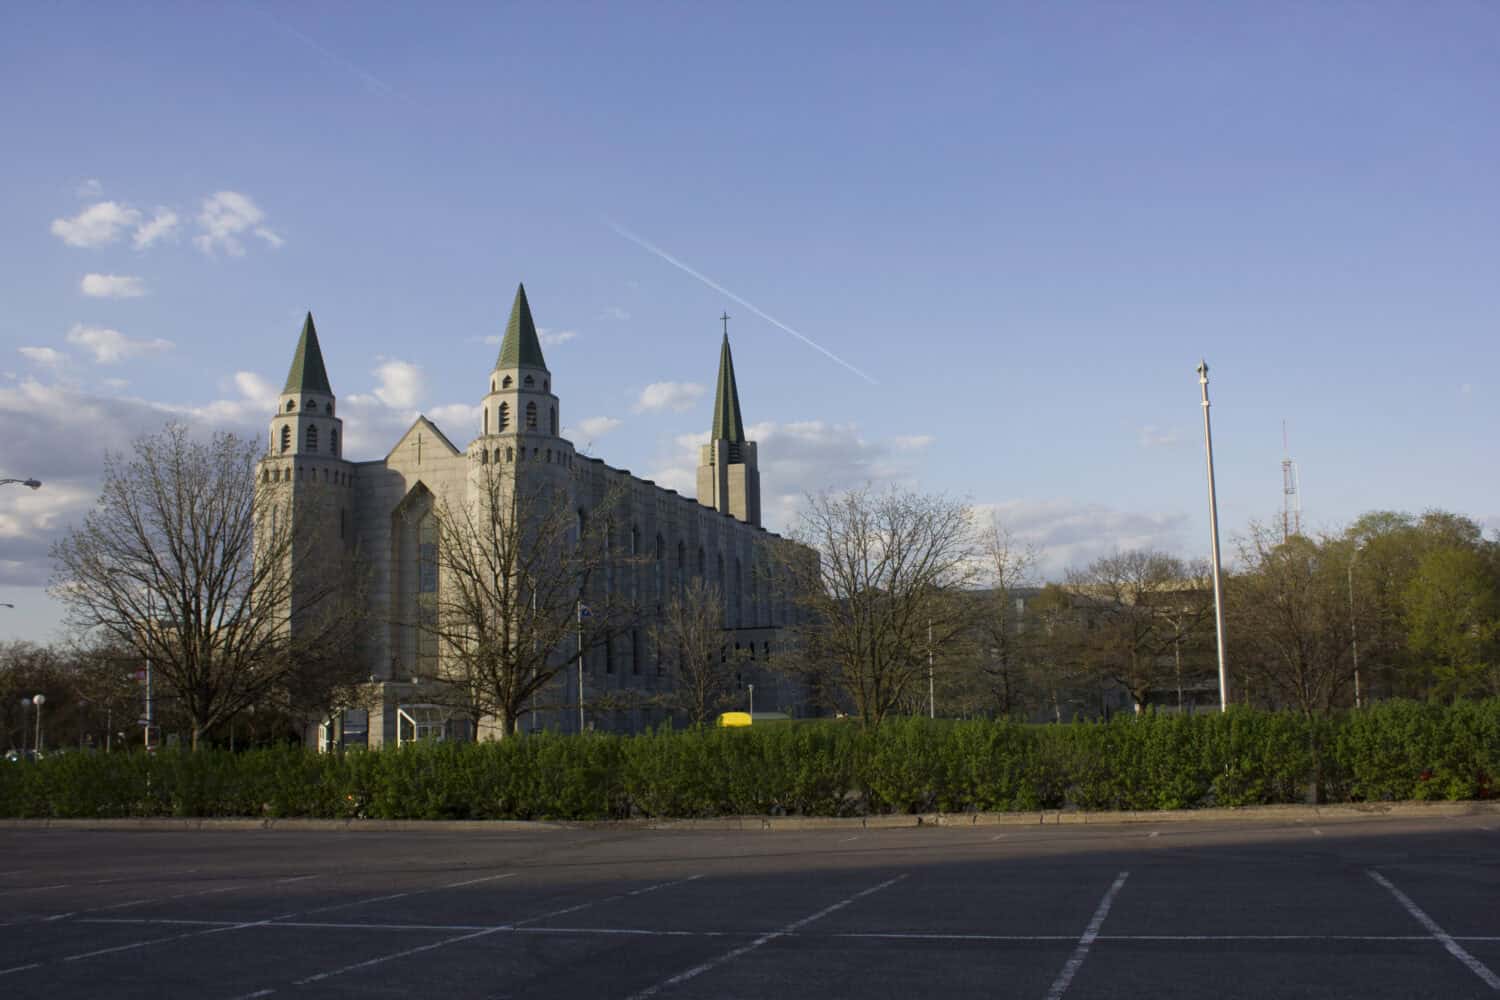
point(727, 423)
point(308, 373)
point(520, 345)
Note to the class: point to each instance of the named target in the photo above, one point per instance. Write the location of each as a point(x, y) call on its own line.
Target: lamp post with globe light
point(38, 700)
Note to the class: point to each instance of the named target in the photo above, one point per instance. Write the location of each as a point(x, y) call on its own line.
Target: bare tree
point(1007, 654)
point(690, 638)
point(517, 566)
point(185, 562)
point(1142, 606)
point(883, 589)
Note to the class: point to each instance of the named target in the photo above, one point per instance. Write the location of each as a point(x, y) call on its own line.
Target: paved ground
point(1369, 908)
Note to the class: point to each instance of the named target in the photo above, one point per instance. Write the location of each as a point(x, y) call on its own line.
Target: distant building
point(386, 510)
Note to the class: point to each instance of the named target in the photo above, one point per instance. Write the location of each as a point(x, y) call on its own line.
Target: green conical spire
point(727, 424)
point(308, 373)
point(520, 345)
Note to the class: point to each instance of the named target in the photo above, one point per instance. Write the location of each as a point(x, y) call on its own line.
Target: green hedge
point(1392, 751)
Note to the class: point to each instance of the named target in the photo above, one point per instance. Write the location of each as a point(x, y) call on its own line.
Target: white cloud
point(1068, 534)
point(614, 313)
point(401, 384)
point(116, 384)
point(225, 217)
point(90, 188)
point(459, 421)
point(98, 225)
point(551, 338)
point(1155, 437)
point(797, 459)
point(110, 347)
point(593, 427)
point(1467, 389)
point(912, 442)
point(42, 355)
point(112, 286)
point(161, 226)
point(677, 396)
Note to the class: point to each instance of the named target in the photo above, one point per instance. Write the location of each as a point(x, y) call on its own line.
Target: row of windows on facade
point(537, 455)
point(528, 382)
point(761, 592)
point(312, 406)
point(284, 475)
point(311, 439)
point(502, 418)
point(636, 657)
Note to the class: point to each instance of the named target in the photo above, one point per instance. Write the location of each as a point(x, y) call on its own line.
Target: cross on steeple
point(725, 318)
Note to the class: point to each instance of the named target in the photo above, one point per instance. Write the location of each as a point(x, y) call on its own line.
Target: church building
point(386, 523)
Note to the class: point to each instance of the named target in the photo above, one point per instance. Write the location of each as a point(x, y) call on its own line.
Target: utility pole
point(1354, 631)
point(1213, 534)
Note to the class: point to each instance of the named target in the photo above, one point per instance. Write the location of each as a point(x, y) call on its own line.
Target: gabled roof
point(422, 423)
point(727, 423)
point(521, 346)
point(308, 373)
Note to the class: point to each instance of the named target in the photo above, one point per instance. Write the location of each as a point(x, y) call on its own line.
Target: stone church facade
point(385, 515)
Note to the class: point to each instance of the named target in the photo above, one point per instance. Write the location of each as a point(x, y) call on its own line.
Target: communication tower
point(1291, 501)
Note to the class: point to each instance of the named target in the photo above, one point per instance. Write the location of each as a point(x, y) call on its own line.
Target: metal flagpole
point(1213, 534)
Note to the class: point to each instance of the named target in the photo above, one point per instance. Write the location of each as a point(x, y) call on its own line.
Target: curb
point(1052, 817)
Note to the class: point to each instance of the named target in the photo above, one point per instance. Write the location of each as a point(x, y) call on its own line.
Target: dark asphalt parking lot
point(1367, 908)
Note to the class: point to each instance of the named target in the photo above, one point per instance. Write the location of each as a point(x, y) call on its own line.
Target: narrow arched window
point(492, 385)
point(291, 405)
point(486, 420)
point(484, 456)
point(286, 439)
point(554, 420)
point(312, 405)
point(531, 416)
point(505, 383)
point(333, 441)
point(509, 454)
point(502, 417)
point(312, 437)
point(530, 382)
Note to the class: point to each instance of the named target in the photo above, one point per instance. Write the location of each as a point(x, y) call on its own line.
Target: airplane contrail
point(711, 283)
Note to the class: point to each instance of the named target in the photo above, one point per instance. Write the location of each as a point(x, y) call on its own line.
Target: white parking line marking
point(1317, 832)
point(1090, 934)
point(35, 888)
point(255, 995)
point(19, 968)
point(790, 928)
point(999, 836)
point(297, 878)
point(484, 932)
point(847, 839)
point(476, 881)
point(1454, 948)
point(1153, 833)
point(175, 937)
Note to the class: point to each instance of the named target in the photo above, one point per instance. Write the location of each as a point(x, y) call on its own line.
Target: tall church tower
point(521, 422)
point(728, 476)
point(305, 468)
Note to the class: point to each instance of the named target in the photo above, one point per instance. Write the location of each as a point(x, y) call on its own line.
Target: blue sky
point(1025, 222)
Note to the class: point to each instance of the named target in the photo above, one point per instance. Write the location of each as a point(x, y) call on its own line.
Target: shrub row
point(1392, 751)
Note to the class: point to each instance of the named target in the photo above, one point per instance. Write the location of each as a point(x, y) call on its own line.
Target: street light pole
point(1213, 534)
point(931, 685)
point(25, 724)
point(1354, 631)
point(38, 700)
point(752, 698)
